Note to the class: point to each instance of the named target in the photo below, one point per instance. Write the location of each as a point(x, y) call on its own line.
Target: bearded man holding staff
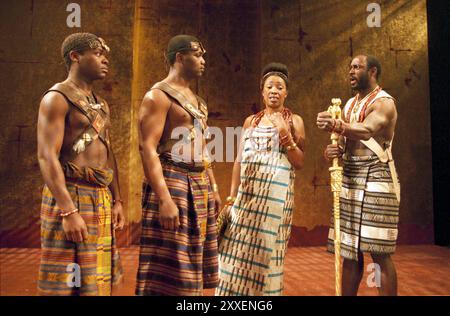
point(370, 195)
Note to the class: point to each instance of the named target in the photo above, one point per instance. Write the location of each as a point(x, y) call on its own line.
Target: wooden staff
point(336, 185)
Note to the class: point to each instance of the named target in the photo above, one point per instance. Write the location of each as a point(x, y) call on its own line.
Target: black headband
point(274, 73)
point(181, 43)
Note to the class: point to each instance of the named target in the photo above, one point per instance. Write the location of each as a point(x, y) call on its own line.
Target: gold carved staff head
point(335, 108)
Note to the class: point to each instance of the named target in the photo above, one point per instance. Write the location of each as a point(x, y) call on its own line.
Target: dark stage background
point(316, 39)
point(439, 56)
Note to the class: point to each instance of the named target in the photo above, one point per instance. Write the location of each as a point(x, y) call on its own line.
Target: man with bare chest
point(81, 204)
point(178, 253)
point(370, 195)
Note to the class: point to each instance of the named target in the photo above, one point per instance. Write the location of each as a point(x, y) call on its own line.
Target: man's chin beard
point(359, 88)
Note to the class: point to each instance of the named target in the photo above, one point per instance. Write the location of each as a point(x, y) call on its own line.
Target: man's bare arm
point(152, 118)
point(112, 162)
point(216, 195)
point(382, 113)
point(212, 179)
point(296, 156)
point(378, 119)
point(50, 135)
point(117, 209)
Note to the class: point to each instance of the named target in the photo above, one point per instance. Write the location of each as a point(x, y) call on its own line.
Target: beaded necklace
point(356, 104)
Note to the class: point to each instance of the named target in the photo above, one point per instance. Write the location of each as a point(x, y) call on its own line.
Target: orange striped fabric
point(181, 262)
point(87, 268)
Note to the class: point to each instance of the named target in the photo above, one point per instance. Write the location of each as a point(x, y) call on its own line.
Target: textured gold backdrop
point(316, 39)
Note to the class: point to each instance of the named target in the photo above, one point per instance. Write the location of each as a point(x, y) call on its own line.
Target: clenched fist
point(325, 121)
point(333, 151)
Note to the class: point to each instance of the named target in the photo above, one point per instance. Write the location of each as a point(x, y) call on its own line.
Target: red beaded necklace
point(362, 114)
point(286, 113)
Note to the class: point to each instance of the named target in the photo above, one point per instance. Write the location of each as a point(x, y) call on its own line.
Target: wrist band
point(340, 130)
point(62, 214)
point(291, 147)
point(230, 200)
point(215, 187)
point(117, 200)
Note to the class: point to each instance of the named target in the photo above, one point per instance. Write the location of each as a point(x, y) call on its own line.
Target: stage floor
point(421, 270)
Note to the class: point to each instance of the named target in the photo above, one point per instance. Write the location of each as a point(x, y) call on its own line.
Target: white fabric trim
point(380, 94)
point(378, 233)
point(352, 194)
point(383, 187)
point(346, 239)
point(347, 106)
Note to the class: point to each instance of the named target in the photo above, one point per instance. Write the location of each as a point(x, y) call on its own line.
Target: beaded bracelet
point(62, 214)
point(341, 127)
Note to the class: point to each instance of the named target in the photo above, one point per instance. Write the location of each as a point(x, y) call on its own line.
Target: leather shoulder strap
point(385, 156)
point(73, 96)
point(97, 117)
point(374, 146)
point(202, 106)
point(104, 107)
point(183, 101)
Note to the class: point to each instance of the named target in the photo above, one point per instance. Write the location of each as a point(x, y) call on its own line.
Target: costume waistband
point(88, 175)
point(196, 166)
point(350, 158)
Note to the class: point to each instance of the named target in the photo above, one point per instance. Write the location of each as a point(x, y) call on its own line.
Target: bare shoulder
point(248, 121)
point(386, 101)
point(53, 104)
point(298, 120)
point(155, 100)
point(385, 105)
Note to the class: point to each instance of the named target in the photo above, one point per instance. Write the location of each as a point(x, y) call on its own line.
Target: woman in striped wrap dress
point(256, 223)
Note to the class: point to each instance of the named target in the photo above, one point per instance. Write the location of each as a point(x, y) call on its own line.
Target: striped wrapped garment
point(181, 262)
point(90, 267)
point(369, 208)
point(254, 244)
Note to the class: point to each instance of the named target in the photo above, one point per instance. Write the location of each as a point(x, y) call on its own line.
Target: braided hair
point(80, 42)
